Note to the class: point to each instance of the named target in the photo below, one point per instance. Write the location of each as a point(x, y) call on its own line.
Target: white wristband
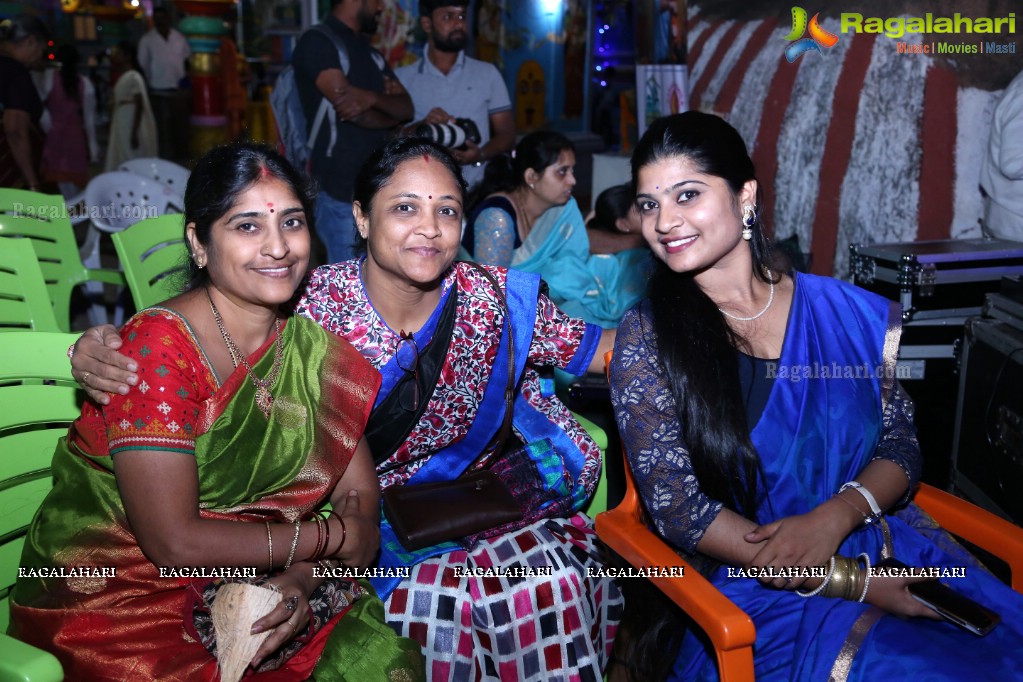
point(875, 511)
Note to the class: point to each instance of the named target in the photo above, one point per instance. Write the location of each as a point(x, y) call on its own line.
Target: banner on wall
point(663, 89)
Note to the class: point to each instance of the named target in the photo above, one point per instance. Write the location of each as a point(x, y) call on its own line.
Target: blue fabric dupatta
point(598, 288)
point(820, 428)
point(521, 291)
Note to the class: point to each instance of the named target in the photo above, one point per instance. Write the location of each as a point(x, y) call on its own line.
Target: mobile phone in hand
point(951, 605)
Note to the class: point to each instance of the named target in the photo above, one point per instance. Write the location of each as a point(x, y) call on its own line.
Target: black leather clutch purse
point(431, 513)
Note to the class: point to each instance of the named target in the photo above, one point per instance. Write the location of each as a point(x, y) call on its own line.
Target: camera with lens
point(450, 135)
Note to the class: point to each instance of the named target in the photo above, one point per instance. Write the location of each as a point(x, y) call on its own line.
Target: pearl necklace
point(770, 300)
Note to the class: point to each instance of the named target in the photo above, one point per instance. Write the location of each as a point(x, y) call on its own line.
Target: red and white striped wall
point(855, 144)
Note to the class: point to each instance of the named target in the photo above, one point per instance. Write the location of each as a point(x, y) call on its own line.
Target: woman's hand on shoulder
point(892, 595)
point(99, 368)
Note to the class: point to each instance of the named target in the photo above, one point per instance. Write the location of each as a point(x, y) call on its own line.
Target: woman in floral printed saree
point(243, 422)
point(414, 313)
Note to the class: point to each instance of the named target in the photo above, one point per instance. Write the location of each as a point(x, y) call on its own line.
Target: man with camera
point(449, 88)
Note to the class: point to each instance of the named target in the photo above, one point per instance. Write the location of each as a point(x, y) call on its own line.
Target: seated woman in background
point(744, 459)
point(243, 422)
point(437, 331)
point(527, 219)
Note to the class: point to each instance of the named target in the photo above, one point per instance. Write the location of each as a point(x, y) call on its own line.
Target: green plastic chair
point(24, 300)
point(33, 416)
point(153, 255)
point(598, 502)
point(43, 219)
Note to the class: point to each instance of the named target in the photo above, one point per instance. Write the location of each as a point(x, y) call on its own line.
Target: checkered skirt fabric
point(477, 622)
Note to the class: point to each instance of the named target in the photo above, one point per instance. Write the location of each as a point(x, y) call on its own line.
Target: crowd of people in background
point(62, 121)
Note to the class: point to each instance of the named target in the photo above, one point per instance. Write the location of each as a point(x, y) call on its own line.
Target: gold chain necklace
point(264, 399)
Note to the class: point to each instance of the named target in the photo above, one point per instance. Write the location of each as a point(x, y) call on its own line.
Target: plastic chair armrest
point(978, 526)
point(108, 276)
point(728, 626)
point(21, 662)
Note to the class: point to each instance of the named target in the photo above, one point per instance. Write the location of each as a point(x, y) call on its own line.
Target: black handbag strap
point(389, 423)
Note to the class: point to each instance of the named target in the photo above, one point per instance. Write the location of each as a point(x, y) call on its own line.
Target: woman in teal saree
point(766, 429)
point(528, 220)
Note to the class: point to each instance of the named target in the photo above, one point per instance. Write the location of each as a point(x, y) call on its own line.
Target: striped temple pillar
point(856, 143)
point(204, 34)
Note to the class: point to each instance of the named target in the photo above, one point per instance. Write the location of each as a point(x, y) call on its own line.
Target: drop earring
point(749, 219)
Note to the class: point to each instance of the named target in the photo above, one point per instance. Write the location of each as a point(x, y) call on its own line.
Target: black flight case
point(940, 284)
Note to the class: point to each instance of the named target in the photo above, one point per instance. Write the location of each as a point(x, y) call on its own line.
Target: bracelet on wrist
point(824, 583)
point(875, 510)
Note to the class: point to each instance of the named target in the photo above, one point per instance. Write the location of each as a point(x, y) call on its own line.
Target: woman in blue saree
point(528, 220)
point(766, 430)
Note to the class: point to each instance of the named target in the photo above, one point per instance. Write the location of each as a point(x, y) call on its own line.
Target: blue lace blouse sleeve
point(649, 427)
point(898, 437)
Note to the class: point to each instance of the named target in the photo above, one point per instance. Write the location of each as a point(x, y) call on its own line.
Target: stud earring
point(749, 219)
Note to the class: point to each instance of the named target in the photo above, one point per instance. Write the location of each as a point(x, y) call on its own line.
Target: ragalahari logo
point(818, 36)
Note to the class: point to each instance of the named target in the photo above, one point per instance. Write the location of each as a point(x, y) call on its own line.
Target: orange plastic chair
point(730, 630)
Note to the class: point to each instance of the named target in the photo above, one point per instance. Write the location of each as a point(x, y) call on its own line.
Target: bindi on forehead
point(270, 205)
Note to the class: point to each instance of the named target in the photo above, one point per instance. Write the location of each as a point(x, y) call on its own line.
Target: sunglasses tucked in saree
point(124, 620)
point(834, 407)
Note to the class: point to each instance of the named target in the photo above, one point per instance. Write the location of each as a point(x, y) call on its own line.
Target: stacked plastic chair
point(163, 171)
point(38, 399)
point(117, 200)
point(153, 256)
point(42, 220)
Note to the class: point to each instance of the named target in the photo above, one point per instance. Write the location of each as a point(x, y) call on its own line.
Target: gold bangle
point(294, 544)
point(270, 546)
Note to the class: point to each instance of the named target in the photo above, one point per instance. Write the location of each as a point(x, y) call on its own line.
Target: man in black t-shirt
point(368, 102)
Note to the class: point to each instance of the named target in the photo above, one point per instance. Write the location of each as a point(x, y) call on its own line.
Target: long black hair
point(612, 204)
point(69, 58)
point(221, 176)
point(507, 172)
point(697, 347)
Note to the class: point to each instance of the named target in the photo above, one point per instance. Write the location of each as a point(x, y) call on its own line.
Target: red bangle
point(344, 531)
point(326, 542)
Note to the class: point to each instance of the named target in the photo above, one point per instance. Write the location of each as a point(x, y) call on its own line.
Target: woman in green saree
point(244, 422)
